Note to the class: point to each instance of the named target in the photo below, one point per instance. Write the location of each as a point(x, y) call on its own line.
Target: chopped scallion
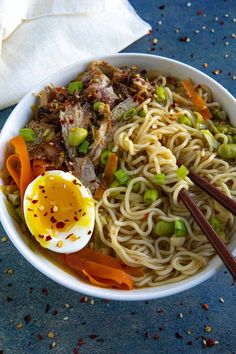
point(28, 134)
point(83, 148)
point(182, 172)
point(150, 195)
point(160, 94)
point(180, 228)
point(185, 120)
point(142, 113)
point(130, 113)
point(74, 86)
point(122, 177)
point(136, 186)
point(160, 178)
point(215, 223)
point(104, 157)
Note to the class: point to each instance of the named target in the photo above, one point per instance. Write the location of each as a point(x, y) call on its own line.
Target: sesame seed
point(65, 318)
point(226, 55)
point(221, 300)
point(188, 39)
point(9, 271)
point(216, 18)
point(59, 244)
point(205, 65)
point(67, 306)
point(212, 30)
point(204, 342)
point(155, 41)
point(159, 22)
point(226, 15)
point(233, 35)
point(92, 302)
point(208, 328)
point(189, 4)
point(226, 43)
point(41, 208)
point(216, 72)
point(189, 332)
point(4, 239)
point(53, 345)
point(234, 20)
point(216, 342)
point(85, 299)
point(177, 30)
point(181, 315)
point(55, 209)
point(234, 77)
point(51, 334)
point(197, 31)
point(70, 163)
point(203, 27)
point(20, 325)
point(73, 237)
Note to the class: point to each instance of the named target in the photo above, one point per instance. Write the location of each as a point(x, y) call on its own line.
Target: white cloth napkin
point(38, 37)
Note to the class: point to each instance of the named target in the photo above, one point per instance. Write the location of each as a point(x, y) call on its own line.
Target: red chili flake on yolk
point(75, 182)
point(45, 214)
point(48, 238)
point(75, 218)
point(29, 209)
point(34, 201)
point(60, 224)
point(53, 220)
point(41, 187)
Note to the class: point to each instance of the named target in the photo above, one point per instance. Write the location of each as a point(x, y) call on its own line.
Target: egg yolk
point(56, 205)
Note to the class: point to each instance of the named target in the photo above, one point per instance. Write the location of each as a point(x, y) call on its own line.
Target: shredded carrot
point(106, 276)
point(38, 167)
point(206, 113)
point(197, 99)
point(18, 165)
point(109, 171)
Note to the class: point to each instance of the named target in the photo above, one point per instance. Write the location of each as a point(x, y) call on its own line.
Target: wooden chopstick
point(219, 246)
point(214, 192)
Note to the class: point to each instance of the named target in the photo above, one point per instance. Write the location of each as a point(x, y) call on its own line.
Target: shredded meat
point(83, 169)
point(74, 116)
point(105, 134)
point(52, 151)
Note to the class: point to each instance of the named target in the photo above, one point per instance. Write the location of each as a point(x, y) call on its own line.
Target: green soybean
point(227, 151)
point(164, 228)
point(77, 136)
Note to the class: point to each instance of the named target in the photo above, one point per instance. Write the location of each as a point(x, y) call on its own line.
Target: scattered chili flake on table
point(156, 336)
point(205, 306)
point(27, 318)
point(184, 39)
point(178, 335)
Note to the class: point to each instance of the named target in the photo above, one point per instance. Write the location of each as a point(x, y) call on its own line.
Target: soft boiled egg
point(59, 211)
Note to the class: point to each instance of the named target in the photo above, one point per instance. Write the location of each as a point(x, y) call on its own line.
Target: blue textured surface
point(142, 327)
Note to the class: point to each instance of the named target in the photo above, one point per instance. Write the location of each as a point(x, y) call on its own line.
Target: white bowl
point(21, 114)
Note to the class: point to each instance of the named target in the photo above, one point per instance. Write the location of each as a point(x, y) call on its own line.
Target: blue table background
point(39, 316)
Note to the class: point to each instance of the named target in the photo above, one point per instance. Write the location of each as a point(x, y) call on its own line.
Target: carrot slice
point(118, 277)
point(197, 99)
point(109, 171)
point(100, 258)
point(38, 167)
point(18, 165)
